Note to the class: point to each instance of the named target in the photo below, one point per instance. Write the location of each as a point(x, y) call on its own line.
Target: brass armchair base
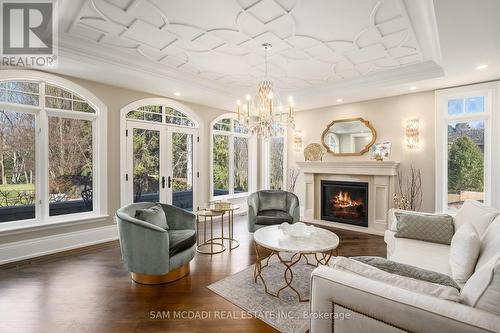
point(152, 279)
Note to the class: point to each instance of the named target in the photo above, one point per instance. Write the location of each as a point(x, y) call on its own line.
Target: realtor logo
point(28, 34)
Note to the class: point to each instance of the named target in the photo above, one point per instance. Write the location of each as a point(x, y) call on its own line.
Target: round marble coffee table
point(321, 244)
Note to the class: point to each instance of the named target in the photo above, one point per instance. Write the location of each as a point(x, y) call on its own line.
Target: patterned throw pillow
point(435, 228)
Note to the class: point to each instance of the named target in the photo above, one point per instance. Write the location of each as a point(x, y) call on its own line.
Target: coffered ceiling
point(221, 40)
point(211, 51)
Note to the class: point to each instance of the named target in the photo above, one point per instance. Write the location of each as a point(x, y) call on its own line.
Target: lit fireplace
point(345, 202)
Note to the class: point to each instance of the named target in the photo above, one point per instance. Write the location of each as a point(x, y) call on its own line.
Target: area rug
point(285, 313)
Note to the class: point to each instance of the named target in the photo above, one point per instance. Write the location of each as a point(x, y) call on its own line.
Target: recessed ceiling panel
point(314, 41)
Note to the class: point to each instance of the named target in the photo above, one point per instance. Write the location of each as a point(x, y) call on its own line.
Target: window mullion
point(231, 164)
point(42, 162)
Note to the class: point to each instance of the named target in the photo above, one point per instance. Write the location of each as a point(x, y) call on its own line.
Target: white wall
point(388, 117)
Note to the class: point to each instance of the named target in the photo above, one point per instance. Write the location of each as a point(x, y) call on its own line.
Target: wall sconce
point(297, 141)
point(412, 134)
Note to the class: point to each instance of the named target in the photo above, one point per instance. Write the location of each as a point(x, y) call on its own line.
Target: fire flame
point(344, 200)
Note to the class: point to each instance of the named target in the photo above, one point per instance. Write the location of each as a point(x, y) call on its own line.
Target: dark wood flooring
point(89, 291)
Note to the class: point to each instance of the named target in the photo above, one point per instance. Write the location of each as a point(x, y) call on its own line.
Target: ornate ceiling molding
point(312, 44)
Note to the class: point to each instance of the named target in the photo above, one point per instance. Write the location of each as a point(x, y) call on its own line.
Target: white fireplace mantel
point(381, 181)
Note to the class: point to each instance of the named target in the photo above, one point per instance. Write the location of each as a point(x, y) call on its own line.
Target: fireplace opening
point(344, 202)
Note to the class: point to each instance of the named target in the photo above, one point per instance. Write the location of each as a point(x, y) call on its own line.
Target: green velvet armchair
point(271, 207)
point(154, 255)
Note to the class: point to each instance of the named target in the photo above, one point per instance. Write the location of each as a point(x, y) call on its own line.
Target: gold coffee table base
point(264, 253)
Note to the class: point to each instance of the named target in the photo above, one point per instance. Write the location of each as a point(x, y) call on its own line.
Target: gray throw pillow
point(413, 272)
point(154, 215)
point(429, 228)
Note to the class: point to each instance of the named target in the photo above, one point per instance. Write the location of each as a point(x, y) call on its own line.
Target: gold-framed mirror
point(348, 137)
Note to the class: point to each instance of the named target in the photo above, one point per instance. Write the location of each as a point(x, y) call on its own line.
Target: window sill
point(11, 228)
point(230, 197)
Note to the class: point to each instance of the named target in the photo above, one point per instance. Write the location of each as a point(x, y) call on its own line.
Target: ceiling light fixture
point(339, 100)
point(413, 88)
point(481, 67)
point(177, 93)
point(266, 114)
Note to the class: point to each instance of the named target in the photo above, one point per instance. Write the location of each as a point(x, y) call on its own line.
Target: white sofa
point(342, 301)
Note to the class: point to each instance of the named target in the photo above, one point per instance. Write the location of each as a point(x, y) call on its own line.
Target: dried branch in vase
point(293, 174)
point(410, 190)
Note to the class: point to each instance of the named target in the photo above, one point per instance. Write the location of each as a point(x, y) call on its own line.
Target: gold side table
point(229, 211)
point(208, 245)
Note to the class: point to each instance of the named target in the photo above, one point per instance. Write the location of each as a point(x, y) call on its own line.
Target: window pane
point(152, 117)
point(455, 106)
point(239, 127)
point(58, 103)
point(182, 170)
point(59, 98)
point(24, 86)
point(221, 165)
point(22, 98)
point(82, 107)
point(57, 92)
point(146, 157)
point(223, 125)
point(70, 166)
point(474, 104)
point(276, 163)
point(17, 166)
point(465, 162)
point(151, 108)
point(240, 165)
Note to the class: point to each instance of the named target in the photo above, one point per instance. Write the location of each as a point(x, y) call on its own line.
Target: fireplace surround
point(344, 202)
point(380, 177)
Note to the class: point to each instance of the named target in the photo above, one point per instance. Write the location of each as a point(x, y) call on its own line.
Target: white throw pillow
point(464, 251)
point(482, 290)
point(422, 287)
point(476, 213)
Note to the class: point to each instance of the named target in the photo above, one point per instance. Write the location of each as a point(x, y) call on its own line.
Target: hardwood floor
point(90, 291)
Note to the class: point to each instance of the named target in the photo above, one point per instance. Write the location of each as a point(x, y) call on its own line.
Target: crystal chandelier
point(265, 114)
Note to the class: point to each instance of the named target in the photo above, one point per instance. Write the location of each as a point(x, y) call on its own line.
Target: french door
point(162, 164)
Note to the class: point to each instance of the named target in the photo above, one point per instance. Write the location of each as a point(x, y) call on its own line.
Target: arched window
point(48, 151)
point(230, 157)
point(160, 114)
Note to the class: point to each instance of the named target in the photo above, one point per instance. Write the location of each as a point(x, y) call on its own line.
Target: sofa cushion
point(272, 216)
point(272, 200)
point(154, 215)
point(426, 255)
point(422, 287)
point(490, 243)
point(482, 290)
point(477, 214)
point(180, 240)
point(464, 251)
point(408, 271)
point(436, 229)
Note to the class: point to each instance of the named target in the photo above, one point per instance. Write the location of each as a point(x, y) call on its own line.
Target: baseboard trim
point(26, 249)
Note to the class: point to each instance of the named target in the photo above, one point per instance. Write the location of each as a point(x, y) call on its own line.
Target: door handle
point(163, 182)
point(169, 182)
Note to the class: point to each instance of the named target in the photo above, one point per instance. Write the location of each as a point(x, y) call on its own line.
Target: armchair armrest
point(178, 218)
point(376, 306)
point(253, 210)
point(293, 206)
point(144, 246)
